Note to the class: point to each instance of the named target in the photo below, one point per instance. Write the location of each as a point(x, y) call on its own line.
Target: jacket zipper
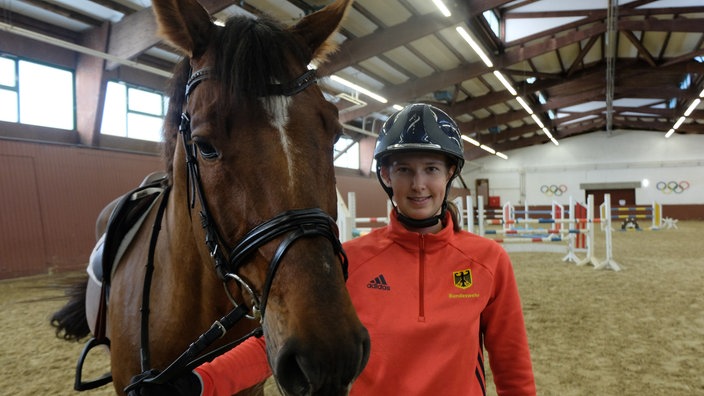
point(421, 279)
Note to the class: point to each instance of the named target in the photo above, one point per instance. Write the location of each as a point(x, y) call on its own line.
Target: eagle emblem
point(462, 279)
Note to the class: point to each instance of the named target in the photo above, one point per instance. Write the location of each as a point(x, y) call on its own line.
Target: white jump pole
point(470, 213)
point(608, 262)
point(460, 211)
point(571, 257)
point(590, 258)
point(480, 214)
point(345, 221)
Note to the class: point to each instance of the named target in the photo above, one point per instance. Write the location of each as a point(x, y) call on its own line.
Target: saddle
point(126, 217)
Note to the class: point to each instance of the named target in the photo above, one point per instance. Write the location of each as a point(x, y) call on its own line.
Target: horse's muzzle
point(319, 370)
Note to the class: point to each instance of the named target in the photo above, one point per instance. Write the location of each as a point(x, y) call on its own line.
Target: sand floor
point(639, 331)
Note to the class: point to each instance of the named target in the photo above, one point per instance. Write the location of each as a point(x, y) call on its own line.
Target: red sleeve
point(505, 335)
point(240, 368)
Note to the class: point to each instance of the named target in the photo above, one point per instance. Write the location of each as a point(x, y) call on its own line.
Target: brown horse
point(248, 145)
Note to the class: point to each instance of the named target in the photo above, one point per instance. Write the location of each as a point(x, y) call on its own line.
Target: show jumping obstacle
point(577, 230)
point(631, 214)
point(347, 219)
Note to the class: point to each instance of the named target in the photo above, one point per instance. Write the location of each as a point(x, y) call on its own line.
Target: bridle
point(292, 225)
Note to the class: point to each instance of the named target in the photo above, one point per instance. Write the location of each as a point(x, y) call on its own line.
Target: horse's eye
point(207, 151)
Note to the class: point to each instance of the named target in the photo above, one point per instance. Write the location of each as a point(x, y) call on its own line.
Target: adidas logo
point(379, 283)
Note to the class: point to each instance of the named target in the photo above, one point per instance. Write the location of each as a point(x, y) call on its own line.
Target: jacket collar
point(412, 240)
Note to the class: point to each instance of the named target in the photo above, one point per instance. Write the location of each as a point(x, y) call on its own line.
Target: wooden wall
point(51, 196)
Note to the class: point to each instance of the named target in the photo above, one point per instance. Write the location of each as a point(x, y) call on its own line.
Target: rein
point(291, 225)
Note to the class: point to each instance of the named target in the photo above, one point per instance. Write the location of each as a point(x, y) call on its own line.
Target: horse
point(249, 203)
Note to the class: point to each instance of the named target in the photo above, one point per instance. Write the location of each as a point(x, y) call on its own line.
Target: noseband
point(291, 225)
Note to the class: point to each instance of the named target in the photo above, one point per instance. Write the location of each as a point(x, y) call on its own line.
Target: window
point(36, 94)
point(8, 90)
point(347, 153)
point(492, 20)
point(133, 112)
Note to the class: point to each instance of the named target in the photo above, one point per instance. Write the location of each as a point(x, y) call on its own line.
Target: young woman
point(432, 296)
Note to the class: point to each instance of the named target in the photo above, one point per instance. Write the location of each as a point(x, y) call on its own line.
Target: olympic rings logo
point(672, 187)
point(553, 190)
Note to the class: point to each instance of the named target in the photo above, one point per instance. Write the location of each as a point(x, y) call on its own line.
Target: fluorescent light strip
point(470, 140)
point(484, 147)
point(397, 107)
point(679, 122)
point(547, 132)
point(474, 46)
point(524, 104)
point(487, 148)
point(691, 107)
point(442, 7)
point(505, 82)
point(686, 114)
point(537, 121)
point(359, 89)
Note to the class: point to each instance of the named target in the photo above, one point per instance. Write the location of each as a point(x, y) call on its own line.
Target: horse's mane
point(249, 55)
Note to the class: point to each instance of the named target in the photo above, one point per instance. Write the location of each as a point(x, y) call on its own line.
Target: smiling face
point(418, 181)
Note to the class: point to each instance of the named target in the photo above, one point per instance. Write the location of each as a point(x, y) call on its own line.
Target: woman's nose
point(418, 181)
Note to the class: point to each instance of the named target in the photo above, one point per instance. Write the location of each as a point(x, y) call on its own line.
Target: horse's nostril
point(290, 376)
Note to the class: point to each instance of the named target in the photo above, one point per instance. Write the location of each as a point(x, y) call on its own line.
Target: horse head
point(249, 139)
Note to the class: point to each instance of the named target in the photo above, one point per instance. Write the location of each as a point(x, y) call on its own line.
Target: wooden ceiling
point(562, 58)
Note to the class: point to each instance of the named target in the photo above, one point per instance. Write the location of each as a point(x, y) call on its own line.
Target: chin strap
point(413, 223)
point(422, 223)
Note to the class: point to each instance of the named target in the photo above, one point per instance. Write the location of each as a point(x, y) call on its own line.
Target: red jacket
point(431, 303)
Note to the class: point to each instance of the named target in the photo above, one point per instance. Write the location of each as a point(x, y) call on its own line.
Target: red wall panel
point(51, 196)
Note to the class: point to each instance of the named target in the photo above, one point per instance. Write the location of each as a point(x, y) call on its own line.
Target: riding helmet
point(419, 127)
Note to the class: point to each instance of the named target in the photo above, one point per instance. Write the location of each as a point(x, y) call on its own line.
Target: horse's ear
point(317, 29)
point(185, 24)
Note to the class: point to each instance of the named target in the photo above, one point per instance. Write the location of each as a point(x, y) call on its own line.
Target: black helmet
point(419, 127)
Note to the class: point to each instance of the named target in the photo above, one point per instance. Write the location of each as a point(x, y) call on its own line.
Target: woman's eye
point(207, 150)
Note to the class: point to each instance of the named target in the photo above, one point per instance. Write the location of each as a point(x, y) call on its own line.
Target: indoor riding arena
point(583, 135)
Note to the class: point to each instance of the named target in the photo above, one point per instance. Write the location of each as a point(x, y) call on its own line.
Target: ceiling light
point(442, 7)
point(501, 155)
point(474, 46)
point(679, 122)
point(358, 88)
point(397, 107)
point(691, 107)
point(505, 82)
point(701, 94)
point(470, 140)
point(524, 104)
point(537, 121)
point(487, 148)
point(669, 133)
point(547, 132)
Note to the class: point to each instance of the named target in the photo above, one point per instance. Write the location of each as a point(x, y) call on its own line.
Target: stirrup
point(79, 385)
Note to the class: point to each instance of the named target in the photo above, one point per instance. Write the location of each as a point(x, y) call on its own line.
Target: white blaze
point(277, 108)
